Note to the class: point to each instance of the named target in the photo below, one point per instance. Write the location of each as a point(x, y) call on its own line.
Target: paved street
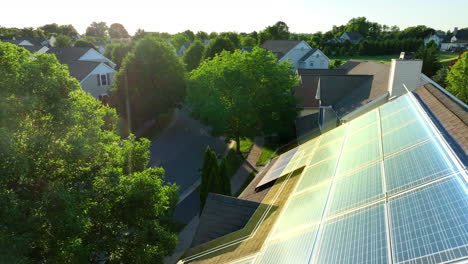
point(179, 150)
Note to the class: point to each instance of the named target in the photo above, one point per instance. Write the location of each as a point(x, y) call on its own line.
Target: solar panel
point(381, 188)
point(302, 209)
point(410, 134)
point(277, 169)
point(293, 249)
point(357, 189)
point(417, 165)
point(359, 156)
point(357, 238)
point(431, 225)
point(317, 174)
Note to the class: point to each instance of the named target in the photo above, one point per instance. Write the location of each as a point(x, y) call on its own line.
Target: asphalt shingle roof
point(222, 215)
point(81, 69)
point(280, 47)
point(66, 55)
point(354, 35)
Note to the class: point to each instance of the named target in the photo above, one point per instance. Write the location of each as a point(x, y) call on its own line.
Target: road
point(179, 150)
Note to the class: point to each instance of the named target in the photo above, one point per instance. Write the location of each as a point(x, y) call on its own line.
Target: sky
point(302, 16)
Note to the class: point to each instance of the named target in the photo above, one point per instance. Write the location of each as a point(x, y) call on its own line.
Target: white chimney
point(404, 71)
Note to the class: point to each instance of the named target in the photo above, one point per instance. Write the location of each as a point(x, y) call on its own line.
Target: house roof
point(354, 35)
point(280, 47)
point(66, 55)
point(36, 41)
point(81, 69)
point(462, 35)
point(334, 89)
point(307, 55)
point(33, 49)
point(250, 193)
point(307, 127)
point(222, 215)
point(452, 117)
point(309, 80)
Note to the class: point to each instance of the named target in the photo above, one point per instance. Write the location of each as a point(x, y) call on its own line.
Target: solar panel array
point(379, 189)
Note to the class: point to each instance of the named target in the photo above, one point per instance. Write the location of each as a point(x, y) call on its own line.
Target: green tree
point(208, 175)
point(71, 188)
point(178, 40)
point(67, 30)
point(248, 42)
point(441, 76)
point(194, 55)
point(62, 41)
point(201, 35)
point(233, 37)
point(279, 31)
point(429, 55)
point(218, 45)
point(117, 30)
point(97, 29)
point(155, 78)
point(116, 52)
point(457, 78)
point(224, 177)
point(190, 35)
point(82, 43)
point(244, 94)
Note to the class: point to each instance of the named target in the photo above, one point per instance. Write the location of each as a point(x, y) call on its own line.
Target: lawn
point(268, 153)
point(444, 57)
point(246, 145)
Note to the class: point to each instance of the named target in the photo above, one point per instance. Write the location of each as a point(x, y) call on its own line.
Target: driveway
point(179, 150)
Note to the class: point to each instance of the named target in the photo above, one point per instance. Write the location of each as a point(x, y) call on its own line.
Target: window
point(103, 79)
point(311, 64)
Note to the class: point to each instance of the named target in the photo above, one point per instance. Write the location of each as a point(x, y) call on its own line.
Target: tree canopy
point(179, 39)
point(218, 45)
point(156, 81)
point(62, 41)
point(430, 59)
point(67, 30)
point(71, 189)
point(194, 55)
point(244, 94)
point(117, 30)
point(97, 29)
point(279, 31)
point(116, 52)
point(457, 78)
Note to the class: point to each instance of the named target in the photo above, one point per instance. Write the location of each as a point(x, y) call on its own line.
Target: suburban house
point(437, 37)
point(94, 71)
point(298, 52)
point(353, 37)
point(33, 44)
point(386, 185)
point(180, 52)
point(457, 41)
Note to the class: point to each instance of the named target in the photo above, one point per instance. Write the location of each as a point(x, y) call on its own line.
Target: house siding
point(90, 84)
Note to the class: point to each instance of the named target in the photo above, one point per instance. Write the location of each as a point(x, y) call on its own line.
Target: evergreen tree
point(225, 178)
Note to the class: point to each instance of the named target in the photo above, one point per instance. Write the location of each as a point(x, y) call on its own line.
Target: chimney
point(405, 70)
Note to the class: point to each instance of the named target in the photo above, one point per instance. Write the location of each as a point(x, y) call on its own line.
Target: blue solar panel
point(357, 238)
point(431, 225)
point(417, 165)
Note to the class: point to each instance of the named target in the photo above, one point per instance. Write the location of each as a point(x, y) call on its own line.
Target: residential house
point(93, 70)
point(33, 44)
point(457, 41)
point(180, 52)
point(437, 37)
point(298, 52)
point(353, 37)
point(386, 186)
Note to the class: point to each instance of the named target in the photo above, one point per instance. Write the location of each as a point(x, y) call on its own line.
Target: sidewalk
point(247, 166)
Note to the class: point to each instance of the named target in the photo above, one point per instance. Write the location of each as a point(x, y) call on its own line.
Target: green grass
point(246, 145)
point(382, 58)
point(444, 57)
point(268, 153)
point(246, 183)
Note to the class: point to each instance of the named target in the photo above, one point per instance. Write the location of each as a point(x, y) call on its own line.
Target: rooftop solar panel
point(417, 165)
point(431, 225)
point(382, 188)
point(357, 238)
point(359, 188)
point(276, 170)
point(292, 249)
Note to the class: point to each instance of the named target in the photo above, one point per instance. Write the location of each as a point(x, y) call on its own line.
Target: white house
point(353, 37)
point(301, 54)
point(457, 41)
point(93, 70)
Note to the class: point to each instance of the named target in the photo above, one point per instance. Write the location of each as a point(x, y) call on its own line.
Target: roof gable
point(66, 55)
point(353, 35)
point(280, 47)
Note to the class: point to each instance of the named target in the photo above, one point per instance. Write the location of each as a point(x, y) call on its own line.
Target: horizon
point(300, 15)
